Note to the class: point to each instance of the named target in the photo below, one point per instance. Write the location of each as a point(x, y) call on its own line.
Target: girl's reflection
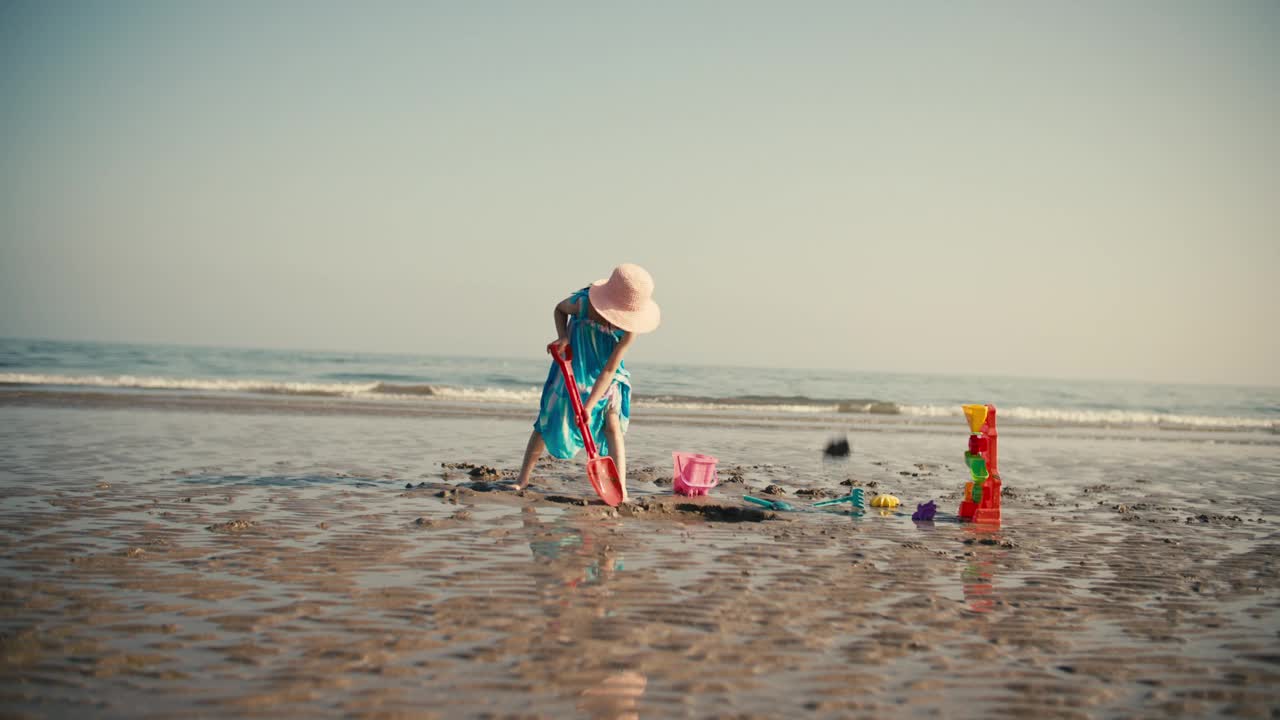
point(573, 570)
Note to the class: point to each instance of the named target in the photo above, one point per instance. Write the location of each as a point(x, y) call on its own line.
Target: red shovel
point(601, 471)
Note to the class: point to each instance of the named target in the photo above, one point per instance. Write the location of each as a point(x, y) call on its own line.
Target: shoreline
point(17, 396)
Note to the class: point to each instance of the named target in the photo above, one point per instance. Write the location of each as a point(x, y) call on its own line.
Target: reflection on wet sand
point(978, 575)
point(617, 696)
point(144, 564)
point(573, 566)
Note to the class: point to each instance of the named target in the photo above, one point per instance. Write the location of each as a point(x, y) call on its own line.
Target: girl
point(598, 323)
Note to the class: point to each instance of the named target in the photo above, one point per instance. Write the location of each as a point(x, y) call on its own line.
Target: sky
point(1075, 189)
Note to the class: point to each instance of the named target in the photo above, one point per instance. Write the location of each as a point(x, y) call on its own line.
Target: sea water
point(798, 392)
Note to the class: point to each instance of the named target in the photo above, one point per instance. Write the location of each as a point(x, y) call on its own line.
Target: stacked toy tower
point(981, 501)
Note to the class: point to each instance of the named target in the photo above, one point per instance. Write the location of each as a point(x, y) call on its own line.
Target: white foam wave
point(935, 410)
point(1056, 416)
point(735, 407)
point(206, 385)
point(361, 390)
point(529, 396)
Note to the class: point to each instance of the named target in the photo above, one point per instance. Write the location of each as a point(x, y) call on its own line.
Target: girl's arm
point(606, 375)
point(564, 309)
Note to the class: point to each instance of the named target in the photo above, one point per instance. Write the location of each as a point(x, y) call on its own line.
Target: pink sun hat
point(626, 299)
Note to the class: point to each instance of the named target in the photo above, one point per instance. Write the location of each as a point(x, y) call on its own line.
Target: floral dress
point(592, 345)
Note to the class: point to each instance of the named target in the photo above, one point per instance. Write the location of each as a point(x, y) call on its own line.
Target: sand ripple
point(177, 594)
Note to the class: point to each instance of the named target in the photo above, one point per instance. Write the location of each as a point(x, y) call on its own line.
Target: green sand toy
point(770, 504)
point(856, 500)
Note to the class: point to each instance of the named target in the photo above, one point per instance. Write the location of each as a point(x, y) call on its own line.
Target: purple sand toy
point(924, 511)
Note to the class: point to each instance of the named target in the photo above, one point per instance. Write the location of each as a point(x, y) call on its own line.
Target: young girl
point(598, 323)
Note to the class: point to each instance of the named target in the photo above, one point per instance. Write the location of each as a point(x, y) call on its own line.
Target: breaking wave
point(137, 382)
point(796, 404)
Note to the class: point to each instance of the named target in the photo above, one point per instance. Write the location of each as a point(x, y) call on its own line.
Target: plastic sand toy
point(695, 473)
point(856, 500)
point(770, 504)
point(885, 501)
point(925, 511)
point(981, 499)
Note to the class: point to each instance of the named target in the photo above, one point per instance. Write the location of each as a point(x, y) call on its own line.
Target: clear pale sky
point(1076, 189)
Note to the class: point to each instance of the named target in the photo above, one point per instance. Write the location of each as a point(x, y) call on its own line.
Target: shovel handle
point(568, 351)
point(575, 399)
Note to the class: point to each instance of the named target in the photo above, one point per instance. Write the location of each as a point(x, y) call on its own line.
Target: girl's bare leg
point(532, 452)
point(617, 450)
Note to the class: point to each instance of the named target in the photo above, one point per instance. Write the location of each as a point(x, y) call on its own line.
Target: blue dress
point(592, 345)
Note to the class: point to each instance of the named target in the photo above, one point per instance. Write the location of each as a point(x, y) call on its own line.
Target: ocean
point(826, 395)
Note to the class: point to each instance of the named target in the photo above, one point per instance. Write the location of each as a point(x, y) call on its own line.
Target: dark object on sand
point(924, 511)
point(838, 447)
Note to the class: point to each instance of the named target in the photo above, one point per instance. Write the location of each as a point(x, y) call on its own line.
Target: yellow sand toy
point(885, 501)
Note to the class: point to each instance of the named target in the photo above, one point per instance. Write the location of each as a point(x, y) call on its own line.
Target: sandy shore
point(157, 564)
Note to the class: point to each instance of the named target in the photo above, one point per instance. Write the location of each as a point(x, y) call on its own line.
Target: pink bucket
point(695, 473)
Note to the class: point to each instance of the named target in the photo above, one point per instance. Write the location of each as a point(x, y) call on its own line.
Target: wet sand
point(175, 563)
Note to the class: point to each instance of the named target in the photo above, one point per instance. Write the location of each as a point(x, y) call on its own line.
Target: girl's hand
point(559, 348)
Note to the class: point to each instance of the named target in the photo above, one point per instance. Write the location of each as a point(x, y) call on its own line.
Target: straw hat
point(626, 299)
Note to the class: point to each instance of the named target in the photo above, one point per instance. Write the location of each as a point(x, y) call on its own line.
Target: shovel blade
point(603, 474)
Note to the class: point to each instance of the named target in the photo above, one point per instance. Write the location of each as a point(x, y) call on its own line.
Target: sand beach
point(283, 559)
